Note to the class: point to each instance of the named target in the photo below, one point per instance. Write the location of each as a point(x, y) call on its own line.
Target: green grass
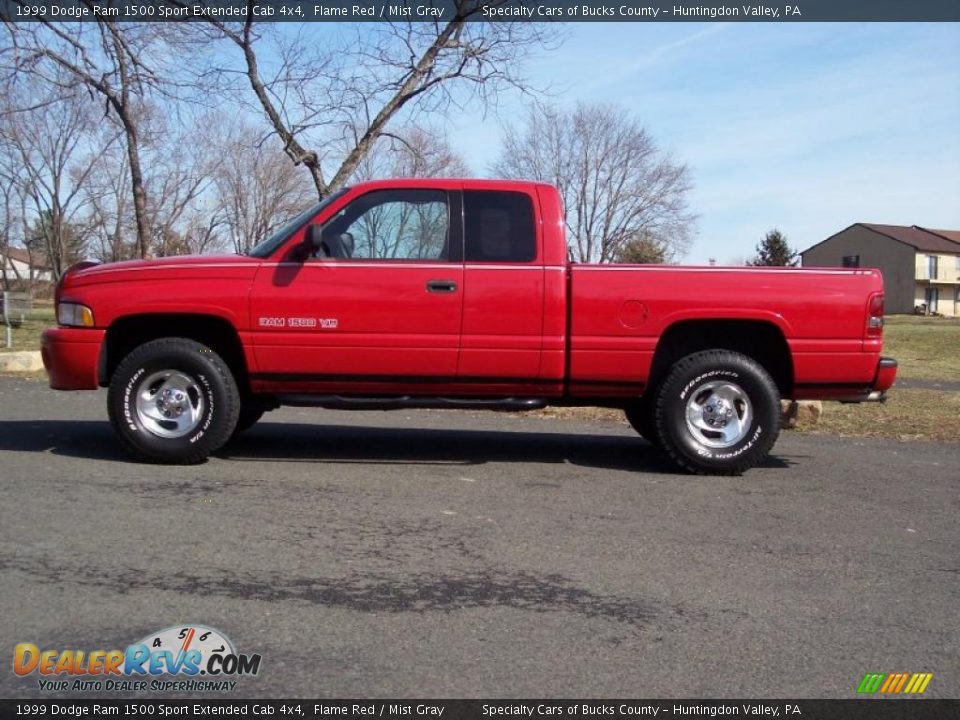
point(925, 348)
point(27, 336)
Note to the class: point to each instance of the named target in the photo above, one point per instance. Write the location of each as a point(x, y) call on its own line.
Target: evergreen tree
point(642, 251)
point(774, 250)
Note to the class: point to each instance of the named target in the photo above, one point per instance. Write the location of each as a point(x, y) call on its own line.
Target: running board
point(407, 402)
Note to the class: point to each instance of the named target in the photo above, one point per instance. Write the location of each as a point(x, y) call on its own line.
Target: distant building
point(18, 264)
point(921, 267)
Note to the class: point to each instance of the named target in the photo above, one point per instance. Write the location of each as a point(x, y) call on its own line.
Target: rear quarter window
point(498, 227)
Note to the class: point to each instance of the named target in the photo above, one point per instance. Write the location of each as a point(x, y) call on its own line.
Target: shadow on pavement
point(302, 442)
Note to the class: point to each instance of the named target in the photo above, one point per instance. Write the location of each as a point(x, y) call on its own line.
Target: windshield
point(269, 246)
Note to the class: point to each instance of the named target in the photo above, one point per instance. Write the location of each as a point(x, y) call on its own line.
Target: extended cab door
point(503, 286)
point(379, 304)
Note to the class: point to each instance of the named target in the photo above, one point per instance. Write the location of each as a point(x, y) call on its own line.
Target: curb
point(21, 362)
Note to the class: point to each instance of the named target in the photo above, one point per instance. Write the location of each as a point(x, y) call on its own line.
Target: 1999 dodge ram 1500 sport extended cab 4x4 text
point(458, 294)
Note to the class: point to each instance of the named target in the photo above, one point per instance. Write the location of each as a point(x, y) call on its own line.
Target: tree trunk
point(139, 193)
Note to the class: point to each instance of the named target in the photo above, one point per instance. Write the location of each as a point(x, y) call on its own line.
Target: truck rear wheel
point(718, 413)
point(173, 400)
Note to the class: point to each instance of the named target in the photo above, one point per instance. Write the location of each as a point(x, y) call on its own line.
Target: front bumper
point(72, 356)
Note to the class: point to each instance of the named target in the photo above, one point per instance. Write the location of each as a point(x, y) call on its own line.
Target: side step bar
point(406, 402)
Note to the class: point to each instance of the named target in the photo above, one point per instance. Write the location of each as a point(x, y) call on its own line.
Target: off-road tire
point(214, 385)
point(689, 446)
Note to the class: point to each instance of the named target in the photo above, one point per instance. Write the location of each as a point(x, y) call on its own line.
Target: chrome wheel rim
point(169, 404)
point(719, 414)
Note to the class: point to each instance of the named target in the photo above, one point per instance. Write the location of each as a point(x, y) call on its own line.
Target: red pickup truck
point(458, 294)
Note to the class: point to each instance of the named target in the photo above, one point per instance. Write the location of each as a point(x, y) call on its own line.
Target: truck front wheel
point(173, 400)
point(718, 413)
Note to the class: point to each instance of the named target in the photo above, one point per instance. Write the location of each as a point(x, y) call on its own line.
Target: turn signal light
point(74, 315)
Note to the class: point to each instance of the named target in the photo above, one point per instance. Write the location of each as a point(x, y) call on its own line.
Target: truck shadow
point(295, 442)
point(344, 444)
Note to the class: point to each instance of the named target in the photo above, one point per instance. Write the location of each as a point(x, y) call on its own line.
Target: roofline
point(939, 235)
point(447, 183)
point(865, 226)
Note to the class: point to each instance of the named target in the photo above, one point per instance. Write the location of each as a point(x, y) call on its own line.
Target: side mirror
point(313, 238)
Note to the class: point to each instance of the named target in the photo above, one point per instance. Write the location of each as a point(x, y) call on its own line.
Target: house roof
point(944, 241)
point(21, 255)
point(917, 237)
point(948, 234)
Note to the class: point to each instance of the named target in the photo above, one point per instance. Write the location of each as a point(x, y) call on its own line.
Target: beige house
point(18, 264)
point(921, 267)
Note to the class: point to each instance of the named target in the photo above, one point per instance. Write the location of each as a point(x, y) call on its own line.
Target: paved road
point(442, 554)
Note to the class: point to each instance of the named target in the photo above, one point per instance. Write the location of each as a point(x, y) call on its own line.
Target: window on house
point(851, 261)
point(932, 266)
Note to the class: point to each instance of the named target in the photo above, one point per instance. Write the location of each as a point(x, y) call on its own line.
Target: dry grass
point(925, 348)
point(906, 415)
point(27, 336)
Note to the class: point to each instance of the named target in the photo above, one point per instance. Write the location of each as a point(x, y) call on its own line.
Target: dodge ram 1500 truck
point(458, 294)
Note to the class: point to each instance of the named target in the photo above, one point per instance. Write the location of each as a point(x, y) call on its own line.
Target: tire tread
point(146, 352)
point(712, 359)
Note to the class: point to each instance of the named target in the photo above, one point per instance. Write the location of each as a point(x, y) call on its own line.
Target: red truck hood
point(178, 261)
point(136, 269)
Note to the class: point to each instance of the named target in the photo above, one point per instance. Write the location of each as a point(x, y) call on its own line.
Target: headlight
point(74, 315)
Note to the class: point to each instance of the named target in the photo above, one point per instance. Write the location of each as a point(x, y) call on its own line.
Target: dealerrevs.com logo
point(177, 659)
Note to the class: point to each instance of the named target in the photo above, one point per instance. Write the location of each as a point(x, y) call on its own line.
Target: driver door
point(379, 306)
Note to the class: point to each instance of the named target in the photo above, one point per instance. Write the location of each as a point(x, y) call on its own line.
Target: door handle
point(441, 286)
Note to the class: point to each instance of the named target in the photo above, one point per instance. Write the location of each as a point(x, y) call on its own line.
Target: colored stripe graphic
point(894, 683)
point(870, 683)
point(918, 683)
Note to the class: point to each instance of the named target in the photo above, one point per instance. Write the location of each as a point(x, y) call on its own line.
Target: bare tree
point(50, 145)
point(182, 160)
point(114, 61)
point(618, 187)
point(256, 187)
point(341, 97)
point(8, 220)
point(110, 225)
point(411, 152)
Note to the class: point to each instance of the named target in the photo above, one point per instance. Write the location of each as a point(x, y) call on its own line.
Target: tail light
point(875, 316)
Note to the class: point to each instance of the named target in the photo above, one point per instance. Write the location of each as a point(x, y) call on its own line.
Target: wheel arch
point(130, 331)
point(760, 340)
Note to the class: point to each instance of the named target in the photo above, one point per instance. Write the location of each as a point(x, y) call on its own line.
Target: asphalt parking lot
point(442, 554)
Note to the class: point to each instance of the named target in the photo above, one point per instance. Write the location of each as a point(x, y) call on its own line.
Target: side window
point(391, 225)
point(498, 227)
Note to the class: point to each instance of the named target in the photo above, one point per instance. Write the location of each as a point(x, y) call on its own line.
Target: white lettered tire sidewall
point(691, 373)
point(220, 398)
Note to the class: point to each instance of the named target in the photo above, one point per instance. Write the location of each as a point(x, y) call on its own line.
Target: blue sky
point(804, 127)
